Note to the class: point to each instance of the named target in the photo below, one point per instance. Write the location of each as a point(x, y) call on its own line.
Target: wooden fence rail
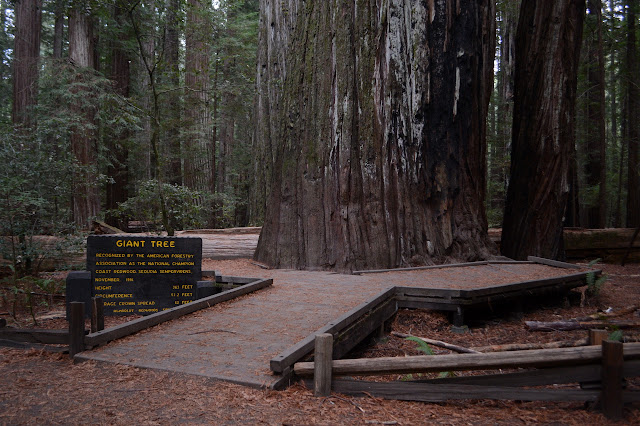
point(600, 370)
point(537, 358)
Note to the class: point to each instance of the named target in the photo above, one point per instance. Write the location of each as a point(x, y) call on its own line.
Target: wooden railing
point(600, 371)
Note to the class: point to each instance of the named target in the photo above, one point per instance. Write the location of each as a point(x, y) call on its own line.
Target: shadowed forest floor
point(37, 387)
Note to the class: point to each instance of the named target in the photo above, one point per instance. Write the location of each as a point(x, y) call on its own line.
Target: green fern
point(595, 283)
point(422, 345)
point(616, 336)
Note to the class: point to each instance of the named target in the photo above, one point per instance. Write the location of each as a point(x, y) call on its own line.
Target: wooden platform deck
point(253, 340)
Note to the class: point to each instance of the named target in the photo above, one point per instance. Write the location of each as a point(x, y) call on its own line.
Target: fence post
point(596, 337)
point(322, 359)
point(612, 374)
point(76, 328)
point(97, 314)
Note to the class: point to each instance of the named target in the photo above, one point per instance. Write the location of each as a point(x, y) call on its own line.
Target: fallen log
point(633, 239)
point(439, 343)
point(568, 325)
point(528, 346)
point(610, 244)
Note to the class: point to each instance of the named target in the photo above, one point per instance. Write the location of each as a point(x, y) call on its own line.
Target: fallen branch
point(526, 346)
point(441, 344)
point(606, 315)
point(569, 325)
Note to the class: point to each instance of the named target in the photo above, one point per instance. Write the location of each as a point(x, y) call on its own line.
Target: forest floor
point(41, 387)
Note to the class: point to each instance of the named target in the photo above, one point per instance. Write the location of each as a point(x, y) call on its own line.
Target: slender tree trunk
point(226, 141)
point(615, 142)
point(197, 166)
point(174, 173)
point(500, 162)
point(547, 55)
point(3, 22)
point(379, 143)
point(118, 170)
point(595, 167)
point(86, 200)
point(145, 164)
point(633, 120)
point(26, 55)
point(58, 29)
point(214, 131)
point(624, 145)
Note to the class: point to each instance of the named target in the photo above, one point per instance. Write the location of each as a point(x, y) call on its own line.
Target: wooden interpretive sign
point(143, 275)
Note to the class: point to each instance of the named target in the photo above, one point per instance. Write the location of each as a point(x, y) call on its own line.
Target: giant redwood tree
point(379, 137)
point(547, 54)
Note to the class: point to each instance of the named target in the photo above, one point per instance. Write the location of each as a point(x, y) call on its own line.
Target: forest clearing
point(208, 200)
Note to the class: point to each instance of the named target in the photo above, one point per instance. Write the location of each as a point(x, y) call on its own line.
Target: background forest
point(145, 111)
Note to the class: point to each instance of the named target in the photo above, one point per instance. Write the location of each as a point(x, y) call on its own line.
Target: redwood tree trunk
point(547, 55)
point(199, 150)
point(499, 153)
point(277, 24)
point(595, 168)
point(379, 142)
point(117, 170)
point(172, 107)
point(28, 16)
point(633, 111)
point(58, 28)
point(86, 200)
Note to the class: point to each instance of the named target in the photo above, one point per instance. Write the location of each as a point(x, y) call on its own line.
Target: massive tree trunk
point(595, 167)
point(547, 55)
point(277, 24)
point(199, 160)
point(86, 200)
point(633, 122)
point(28, 15)
point(379, 139)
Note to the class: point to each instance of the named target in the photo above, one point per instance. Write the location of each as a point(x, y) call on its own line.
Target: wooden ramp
point(250, 339)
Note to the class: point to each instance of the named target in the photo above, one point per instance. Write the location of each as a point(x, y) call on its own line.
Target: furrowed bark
point(379, 142)
point(547, 54)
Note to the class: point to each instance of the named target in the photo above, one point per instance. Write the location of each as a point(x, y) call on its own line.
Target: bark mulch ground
point(37, 387)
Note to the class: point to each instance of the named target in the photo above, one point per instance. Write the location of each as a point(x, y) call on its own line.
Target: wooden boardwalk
point(236, 340)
